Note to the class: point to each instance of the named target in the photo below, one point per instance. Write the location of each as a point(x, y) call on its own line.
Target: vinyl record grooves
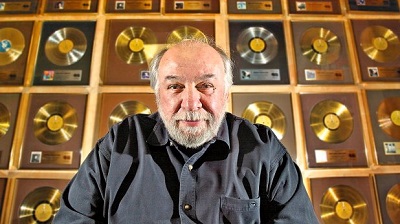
point(185, 32)
point(380, 43)
point(321, 46)
point(136, 45)
point(66, 46)
point(393, 203)
point(5, 117)
point(268, 114)
point(40, 206)
point(55, 123)
point(331, 121)
point(125, 109)
point(343, 204)
point(12, 44)
point(257, 45)
point(388, 115)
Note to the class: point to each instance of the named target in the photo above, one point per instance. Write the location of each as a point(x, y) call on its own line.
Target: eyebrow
point(202, 77)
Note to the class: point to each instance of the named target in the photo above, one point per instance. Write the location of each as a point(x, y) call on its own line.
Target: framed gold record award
point(344, 200)
point(133, 6)
point(18, 6)
point(37, 200)
point(378, 48)
point(131, 44)
point(192, 6)
point(65, 53)
point(333, 130)
point(373, 5)
point(58, 6)
point(321, 52)
point(314, 7)
point(115, 107)
point(254, 7)
point(9, 104)
point(384, 111)
point(54, 131)
point(271, 109)
point(15, 38)
point(259, 51)
point(388, 192)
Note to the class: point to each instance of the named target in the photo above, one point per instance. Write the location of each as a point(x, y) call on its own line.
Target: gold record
point(185, 32)
point(388, 115)
point(380, 43)
point(40, 206)
point(136, 45)
point(393, 203)
point(321, 46)
point(123, 110)
point(55, 123)
point(5, 117)
point(331, 121)
point(268, 114)
point(257, 45)
point(66, 46)
point(343, 204)
point(12, 44)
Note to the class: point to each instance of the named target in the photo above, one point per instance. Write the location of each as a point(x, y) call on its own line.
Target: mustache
point(193, 116)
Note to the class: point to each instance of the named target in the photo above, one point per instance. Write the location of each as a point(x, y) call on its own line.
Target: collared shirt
point(136, 174)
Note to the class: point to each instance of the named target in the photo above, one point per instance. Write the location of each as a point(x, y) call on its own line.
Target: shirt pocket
point(238, 211)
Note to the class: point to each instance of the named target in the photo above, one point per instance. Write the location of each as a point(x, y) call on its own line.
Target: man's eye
point(206, 88)
point(176, 87)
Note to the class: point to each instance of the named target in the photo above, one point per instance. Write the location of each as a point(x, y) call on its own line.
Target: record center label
point(62, 75)
point(260, 74)
point(254, 5)
point(313, 6)
point(15, 6)
point(335, 155)
point(312, 74)
point(391, 148)
point(51, 157)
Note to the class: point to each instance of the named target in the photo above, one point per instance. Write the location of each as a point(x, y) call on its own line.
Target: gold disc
point(268, 114)
point(125, 109)
point(393, 203)
point(40, 206)
point(380, 43)
point(65, 46)
point(343, 204)
point(331, 121)
point(134, 45)
point(55, 123)
point(185, 32)
point(321, 46)
point(257, 45)
point(5, 117)
point(388, 115)
point(12, 44)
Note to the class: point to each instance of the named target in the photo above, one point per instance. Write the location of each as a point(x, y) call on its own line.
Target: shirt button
point(190, 167)
point(187, 207)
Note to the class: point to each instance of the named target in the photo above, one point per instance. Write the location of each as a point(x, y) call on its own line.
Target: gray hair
point(155, 62)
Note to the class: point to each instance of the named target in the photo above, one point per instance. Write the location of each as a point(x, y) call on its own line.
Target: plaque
point(314, 7)
point(344, 200)
point(254, 7)
point(133, 6)
point(117, 106)
point(18, 7)
point(9, 103)
point(37, 200)
point(54, 131)
point(15, 38)
point(65, 53)
point(321, 53)
point(192, 6)
point(384, 111)
point(374, 5)
point(259, 52)
point(71, 6)
point(333, 130)
point(131, 44)
point(378, 48)
point(271, 109)
point(388, 195)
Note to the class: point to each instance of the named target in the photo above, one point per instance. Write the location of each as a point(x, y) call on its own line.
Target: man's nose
point(191, 99)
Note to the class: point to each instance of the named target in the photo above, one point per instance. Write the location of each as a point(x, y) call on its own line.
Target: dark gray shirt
point(136, 174)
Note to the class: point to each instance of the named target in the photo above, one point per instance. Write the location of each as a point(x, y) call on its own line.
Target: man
point(191, 162)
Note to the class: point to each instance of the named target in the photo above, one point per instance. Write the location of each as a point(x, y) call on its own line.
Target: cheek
point(167, 104)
